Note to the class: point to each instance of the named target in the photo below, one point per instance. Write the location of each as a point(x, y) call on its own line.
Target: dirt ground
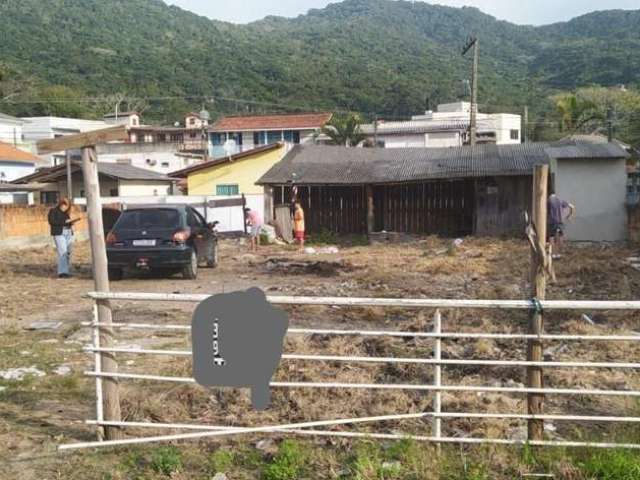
point(38, 413)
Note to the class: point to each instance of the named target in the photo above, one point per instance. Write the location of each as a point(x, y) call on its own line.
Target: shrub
point(612, 465)
point(166, 460)
point(288, 464)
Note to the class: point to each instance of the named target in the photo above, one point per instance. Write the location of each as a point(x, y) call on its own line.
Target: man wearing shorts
point(254, 222)
point(298, 225)
point(556, 209)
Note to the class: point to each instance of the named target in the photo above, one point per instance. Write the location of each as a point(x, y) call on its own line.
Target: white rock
point(20, 373)
point(550, 427)
point(219, 476)
point(310, 251)
point(63, 370)
point(44, 326)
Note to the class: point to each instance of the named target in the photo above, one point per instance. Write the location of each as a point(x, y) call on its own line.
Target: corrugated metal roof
point(415, 126)
point(115, 170)
point(318, 165)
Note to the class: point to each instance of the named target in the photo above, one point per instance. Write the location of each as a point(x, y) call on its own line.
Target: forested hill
point(366, 55)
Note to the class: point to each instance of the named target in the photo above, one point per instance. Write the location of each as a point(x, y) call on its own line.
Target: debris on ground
point(62, 370)
point(19, 374)
point(297, 267)
point(44, 325)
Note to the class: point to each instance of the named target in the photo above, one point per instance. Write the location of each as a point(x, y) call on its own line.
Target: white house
point(39, 128)
point(15, 164)
point(11, 131)
point(129, 119)
point(446, 127)
point(157, 157)
point(231, 135)
point(116, 180)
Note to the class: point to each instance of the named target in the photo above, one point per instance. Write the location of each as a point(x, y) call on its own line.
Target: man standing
point(62, 233)
point(298, 225)
point(254, 222)
point(556, 208)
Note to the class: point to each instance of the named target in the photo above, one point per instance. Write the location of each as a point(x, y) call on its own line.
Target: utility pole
point(535, 379)
point(69, 176)
point(375, 132)
point(473, 129)
point(610, 124)
point(525, 126)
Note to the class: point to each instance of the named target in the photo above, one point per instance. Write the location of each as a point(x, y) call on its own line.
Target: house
point(592, 175)
point(446, 127)
point(157, 157)
point(39, 128)
point(129, 119)
point(11, 131)
point(233, 175)
point(116, 180)
point(451, 191)
point(231, 135)
point(196, 120)
point(14, 164)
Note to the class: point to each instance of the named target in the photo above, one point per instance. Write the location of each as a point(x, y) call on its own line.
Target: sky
point(531, 12)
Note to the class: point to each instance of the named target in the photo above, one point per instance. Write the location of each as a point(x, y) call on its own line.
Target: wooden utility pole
point(538, 292)
point(109, 409)
point(69, 177)
point(473, 127)
point(525, 125)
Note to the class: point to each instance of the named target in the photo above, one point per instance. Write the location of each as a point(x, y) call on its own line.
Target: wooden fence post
point(111, 401)
point(538, 291)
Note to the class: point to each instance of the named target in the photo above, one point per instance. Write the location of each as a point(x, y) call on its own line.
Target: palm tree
point(575, 112)
point(344, 130)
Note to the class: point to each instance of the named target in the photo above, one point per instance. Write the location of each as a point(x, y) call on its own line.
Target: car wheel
point(212, 261)
point(190, 272)
point(115, 274)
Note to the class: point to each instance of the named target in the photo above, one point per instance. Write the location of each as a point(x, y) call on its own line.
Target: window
point(113, 192)
point(161, 138)
point(177, 137)
point(194, 219)
point(192, 121)
point(217, 138)
point(258, 138)
point(165, 164)
point(132, 219)
point(48, 198)
point(193, 134)
point(515, 134)
point(227, 190)
point(292, 136)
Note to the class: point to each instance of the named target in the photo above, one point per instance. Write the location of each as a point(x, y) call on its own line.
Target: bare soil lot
point(39, 412)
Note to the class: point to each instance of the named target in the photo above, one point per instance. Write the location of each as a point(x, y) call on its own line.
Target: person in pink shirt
point(254, 222)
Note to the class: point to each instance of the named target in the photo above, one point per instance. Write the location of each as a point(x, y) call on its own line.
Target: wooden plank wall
point(341, 210)
point(501, 203)
point(443, 208)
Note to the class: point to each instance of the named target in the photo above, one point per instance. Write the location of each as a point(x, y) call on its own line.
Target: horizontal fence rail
point(436, 362)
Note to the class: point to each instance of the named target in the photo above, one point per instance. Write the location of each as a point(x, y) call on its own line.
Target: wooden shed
point(449, 191)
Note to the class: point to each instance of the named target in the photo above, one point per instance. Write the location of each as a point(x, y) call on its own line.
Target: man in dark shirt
point(556, 209)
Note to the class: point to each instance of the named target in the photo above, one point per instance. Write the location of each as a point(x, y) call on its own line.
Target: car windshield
point(161, 218)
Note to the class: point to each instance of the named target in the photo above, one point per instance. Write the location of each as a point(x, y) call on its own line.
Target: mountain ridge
point(379, 56)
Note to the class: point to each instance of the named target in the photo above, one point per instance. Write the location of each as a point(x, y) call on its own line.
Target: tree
point(344, 130)
point(575, 112)
point(62, 101)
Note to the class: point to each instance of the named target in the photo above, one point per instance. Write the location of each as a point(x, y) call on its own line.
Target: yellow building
point(234, 175)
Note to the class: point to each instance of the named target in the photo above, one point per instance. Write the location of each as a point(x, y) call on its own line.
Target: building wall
point(27, 226)
point(402, 141)
point(157, 157)
point(11, 133)
point(39, 128)
point(133, 188)
point(598, 190)
point(218, 151)
point(244, 173)
point(14, 170)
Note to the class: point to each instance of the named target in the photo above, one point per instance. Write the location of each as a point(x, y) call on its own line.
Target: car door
point(200, 233)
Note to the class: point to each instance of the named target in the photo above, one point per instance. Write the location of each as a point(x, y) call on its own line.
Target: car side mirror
point(213, 224)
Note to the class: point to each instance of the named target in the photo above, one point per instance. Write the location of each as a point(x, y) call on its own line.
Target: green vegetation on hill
point(380, 56)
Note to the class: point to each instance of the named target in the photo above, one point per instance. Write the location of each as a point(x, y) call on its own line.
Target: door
point(201, 234)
